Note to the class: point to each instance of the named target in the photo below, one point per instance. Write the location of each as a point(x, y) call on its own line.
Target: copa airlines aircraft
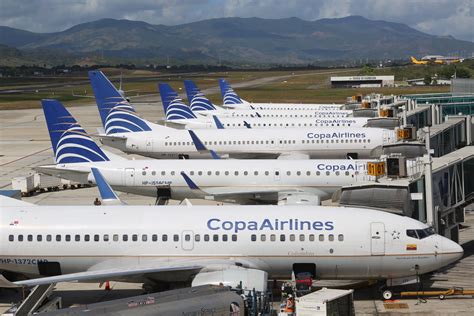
point(201, 105)
point(195, 245)
point(244, 181)
point(177, 112)
point(232, 100)
point(131, 134)
point(128, 132)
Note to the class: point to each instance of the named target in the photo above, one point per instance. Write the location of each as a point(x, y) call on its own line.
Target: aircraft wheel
point(387, 294)
point(441, 297)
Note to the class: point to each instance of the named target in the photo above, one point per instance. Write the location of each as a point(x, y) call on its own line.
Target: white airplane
point(128, 132)
point(177, 112)
point(243, 181)
point(195, 245)
point(232, 100)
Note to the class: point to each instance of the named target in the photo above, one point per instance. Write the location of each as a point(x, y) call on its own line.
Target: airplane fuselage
point(245, 181)
point(168, 143)
point(343, 243)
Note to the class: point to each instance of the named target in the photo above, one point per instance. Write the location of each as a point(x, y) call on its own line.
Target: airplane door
point(149, 145)
point(377, 238)
point(129, 176)
point(187, 240)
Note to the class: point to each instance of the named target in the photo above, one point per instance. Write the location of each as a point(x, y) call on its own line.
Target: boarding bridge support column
point(431, 216)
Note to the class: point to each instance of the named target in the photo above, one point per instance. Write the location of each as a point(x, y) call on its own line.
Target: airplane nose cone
point(453, 251)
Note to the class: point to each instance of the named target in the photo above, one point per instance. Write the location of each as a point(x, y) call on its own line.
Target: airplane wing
point(149, 271)
point(293, 156)
point(282, 196)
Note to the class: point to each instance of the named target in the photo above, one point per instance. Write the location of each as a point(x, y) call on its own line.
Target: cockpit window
point(420, 233)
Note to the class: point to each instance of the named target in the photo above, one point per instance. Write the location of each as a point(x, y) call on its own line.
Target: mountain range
point(232, 40)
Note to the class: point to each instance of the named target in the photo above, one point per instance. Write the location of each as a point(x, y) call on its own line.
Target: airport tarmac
point(24, 143)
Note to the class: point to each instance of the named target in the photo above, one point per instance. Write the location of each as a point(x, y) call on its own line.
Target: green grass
point(299, 87)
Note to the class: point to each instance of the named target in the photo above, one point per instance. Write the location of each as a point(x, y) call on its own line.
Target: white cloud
point(440, 17)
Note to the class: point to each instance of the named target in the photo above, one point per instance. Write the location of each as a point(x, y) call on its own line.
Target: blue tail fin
point(228, 94)
point(197, 100)
point(116, 113)
point(70, 142)
point(173, 105)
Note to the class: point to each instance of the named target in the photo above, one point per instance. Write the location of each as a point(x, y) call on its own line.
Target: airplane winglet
point(189, 182)
point(246, 124)
point(107, 194)
point(200, 145)
point(218, 122)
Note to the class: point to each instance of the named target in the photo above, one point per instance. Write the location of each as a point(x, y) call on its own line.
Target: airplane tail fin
point(229, 96)
point(415, 61)
point(116, 113)
point(173, 105)
point(197, 100)
point(71, 143)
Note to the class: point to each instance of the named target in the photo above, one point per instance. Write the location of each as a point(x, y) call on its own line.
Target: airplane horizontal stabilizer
point(8, 201)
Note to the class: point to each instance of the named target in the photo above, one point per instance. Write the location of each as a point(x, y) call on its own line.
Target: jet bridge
point(452, 185)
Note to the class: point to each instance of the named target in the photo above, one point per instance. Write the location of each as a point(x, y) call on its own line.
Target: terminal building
point(362, 81)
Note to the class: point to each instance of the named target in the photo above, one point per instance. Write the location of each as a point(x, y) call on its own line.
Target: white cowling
point(250, 278)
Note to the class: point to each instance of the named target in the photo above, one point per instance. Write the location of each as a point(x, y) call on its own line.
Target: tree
point(462, 72)
point(427, 79)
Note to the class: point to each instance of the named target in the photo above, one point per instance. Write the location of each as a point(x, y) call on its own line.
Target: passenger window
point(288, 173)
point(20, 237)
point(134, 237)
point(236, 173)
point(175, 237)
point(215, 237)
point(292, 237)
point(234, 237)
point(164, 237)
point(224, 237)
point(58, 237)
point(187, 237)
point(308, 173)
point(340, 237)
point(49, 238)
point(125, 237)
point(153, 173)
point(30, 238)
point(154, 237)
point(144, 237)
point(77, 237)
point(331, 237)
point(255, 173)
point(263, 237)
point(321, 237)
point(253, 237)
point(87, 238)
point(68, 237)
point(96, 237)
point(282, 237)
point(116, 237)
point(11, 238)
point(197, 237)
point(311, 237)
point(39, 237)
point(301, 237)
point(163, 173)
point(272, 237)
point(206, 237)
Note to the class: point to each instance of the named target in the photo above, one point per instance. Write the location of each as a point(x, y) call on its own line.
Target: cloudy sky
point(439, 17)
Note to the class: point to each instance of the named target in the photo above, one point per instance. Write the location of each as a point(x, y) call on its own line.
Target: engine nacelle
point(300, 199)
point(250, 278)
